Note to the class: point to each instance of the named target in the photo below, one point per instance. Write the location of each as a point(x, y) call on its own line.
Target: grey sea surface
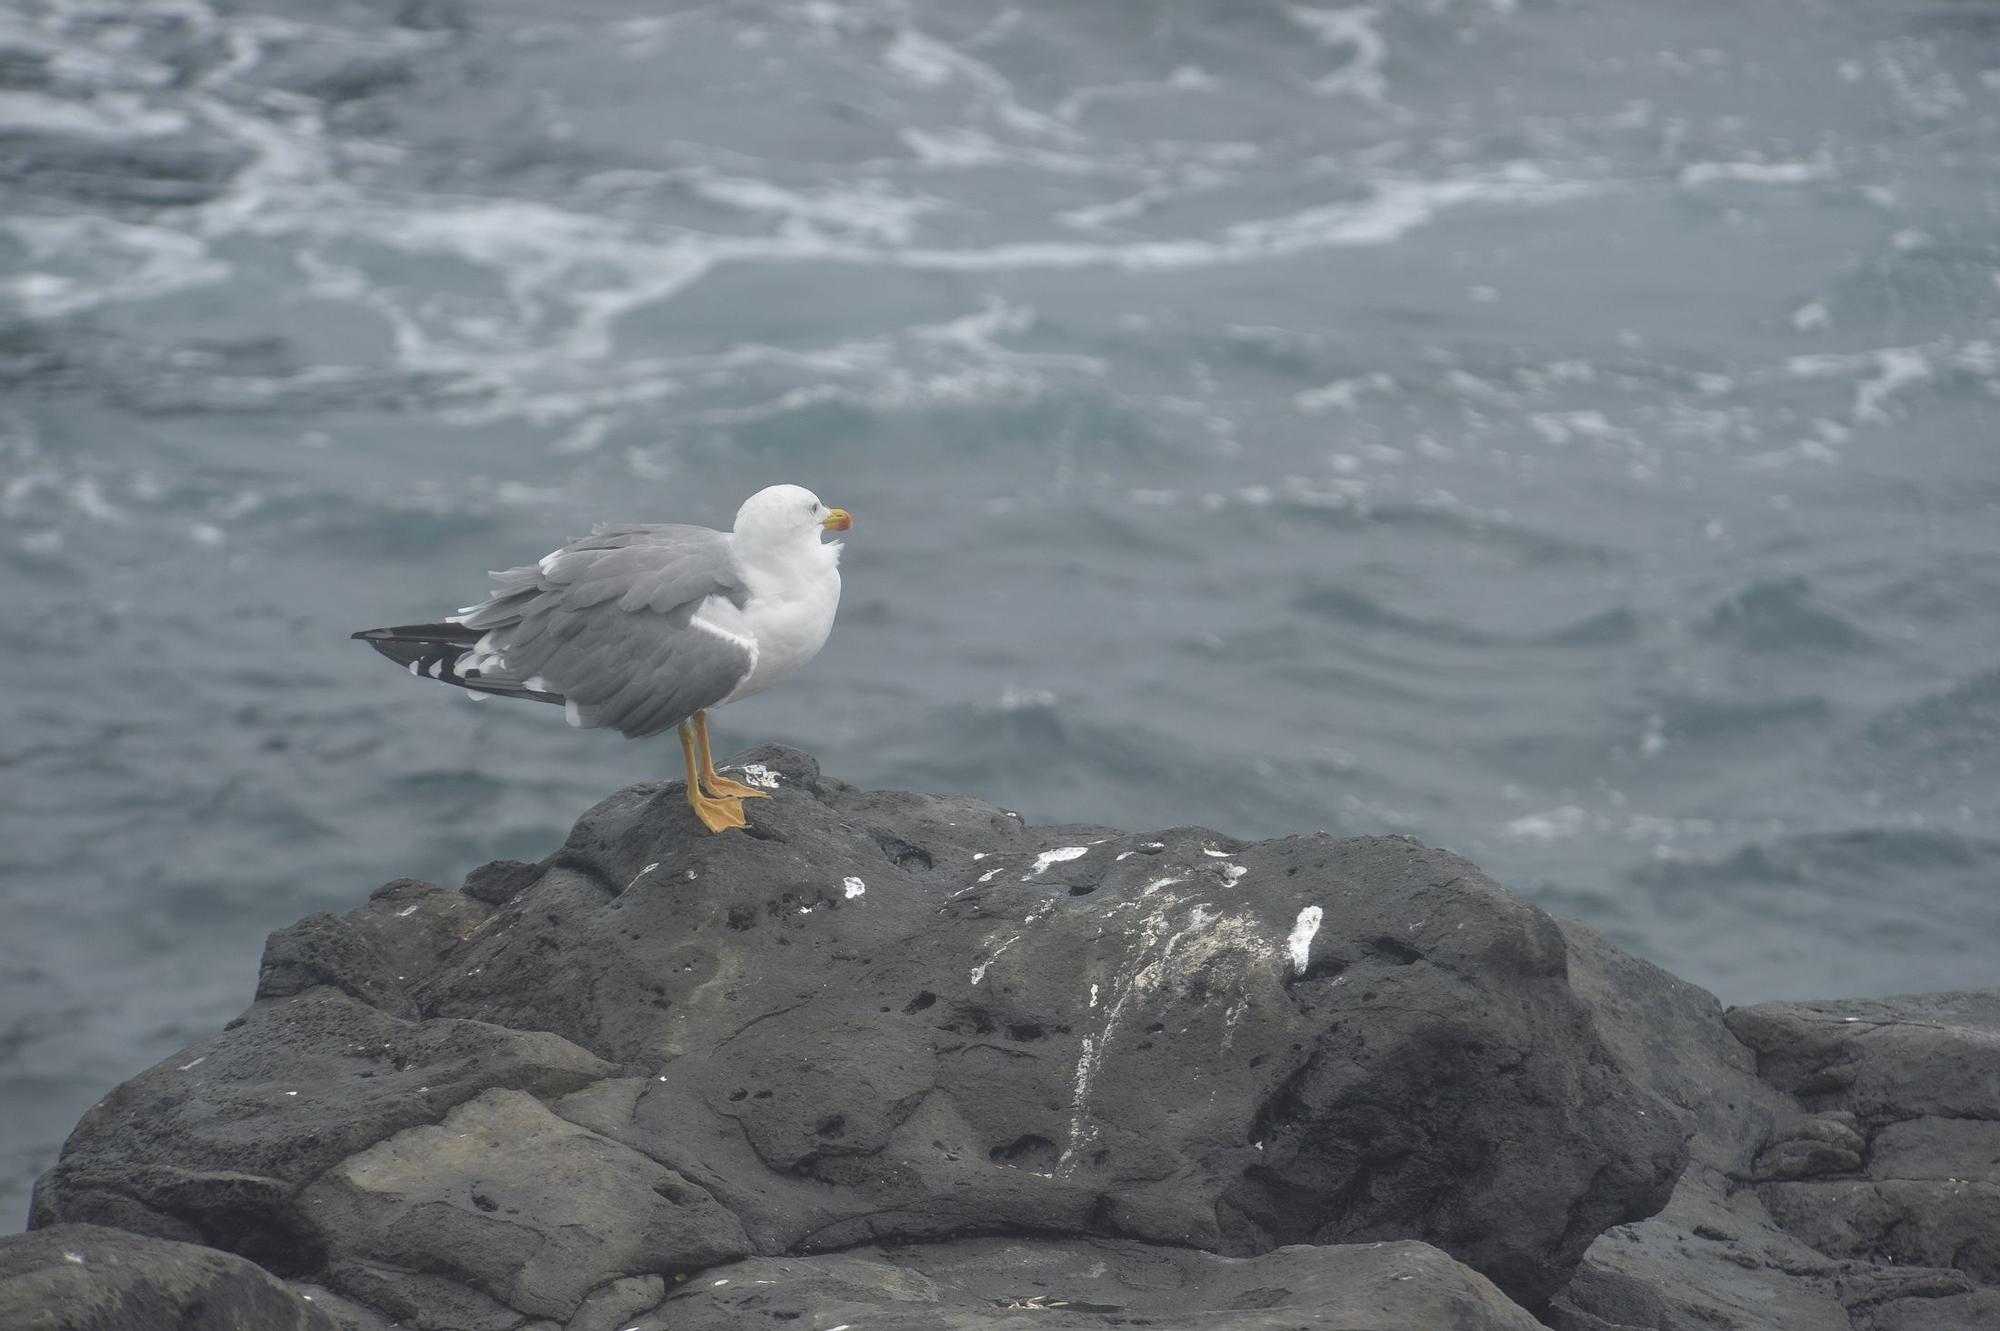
point(1561, 431)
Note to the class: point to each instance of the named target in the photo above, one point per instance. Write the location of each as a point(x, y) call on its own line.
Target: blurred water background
point(1563, 430)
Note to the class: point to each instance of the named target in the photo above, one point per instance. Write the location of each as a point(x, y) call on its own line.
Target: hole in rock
point(920, 1002)
point(1079, 890)
point(970, 1021)
point(900, 852)
point(1027, 1146)
point(1325, 966)
point(834, 1125)
point(1396, 950)
point(738, 1094)
point(1025, 1031)
point(742, 917)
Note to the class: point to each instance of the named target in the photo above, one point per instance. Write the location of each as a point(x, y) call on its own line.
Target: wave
point(1784, 615)
point(1863, 862)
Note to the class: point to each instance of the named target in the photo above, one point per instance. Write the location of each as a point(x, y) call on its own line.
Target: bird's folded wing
point(613, 623)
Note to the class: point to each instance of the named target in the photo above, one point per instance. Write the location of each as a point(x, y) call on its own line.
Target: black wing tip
point(440, 634)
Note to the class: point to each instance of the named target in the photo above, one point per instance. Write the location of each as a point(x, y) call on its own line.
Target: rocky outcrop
point(87, 1278)
point(1844, 1161)
point(902, 1060)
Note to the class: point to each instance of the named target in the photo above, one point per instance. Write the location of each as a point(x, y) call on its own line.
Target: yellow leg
point(715, 782)
point(715, 814)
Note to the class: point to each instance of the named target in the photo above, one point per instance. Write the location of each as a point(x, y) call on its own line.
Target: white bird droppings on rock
point(853, 886)
point(1299, 944)
point(1213, 853)
point(75, 1257)
point(1057, 856)
point(979, 971)
point(204, 1057)
point(408, 910)
point(1093, 995)
point(1233, 872)
point(756, 774)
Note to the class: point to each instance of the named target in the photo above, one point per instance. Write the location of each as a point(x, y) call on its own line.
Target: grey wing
point(610, 622)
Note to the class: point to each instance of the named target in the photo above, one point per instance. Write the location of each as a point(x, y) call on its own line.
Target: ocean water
point(1562, 430)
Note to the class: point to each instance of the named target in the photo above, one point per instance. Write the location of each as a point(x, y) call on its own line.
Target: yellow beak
point(837, 519)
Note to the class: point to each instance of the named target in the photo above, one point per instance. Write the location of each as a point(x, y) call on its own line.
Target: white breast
point(788, 615)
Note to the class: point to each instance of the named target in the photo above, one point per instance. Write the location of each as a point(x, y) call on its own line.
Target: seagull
point(644, 627)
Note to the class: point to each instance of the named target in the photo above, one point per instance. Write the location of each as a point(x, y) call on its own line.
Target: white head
point(783, 517)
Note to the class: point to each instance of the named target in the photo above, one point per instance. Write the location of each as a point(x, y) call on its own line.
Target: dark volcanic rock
point(912, 1018)
point(835, 1069)
point(1844, 1163)
point(997, 1283)
point(213, 1144)
point(508, 1199)
point(1900, 1159)
point(87, 1278)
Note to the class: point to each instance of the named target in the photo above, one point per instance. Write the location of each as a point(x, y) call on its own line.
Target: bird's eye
point(815, 507)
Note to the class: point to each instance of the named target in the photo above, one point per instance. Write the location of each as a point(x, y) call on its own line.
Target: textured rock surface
point(512, 1201)
point(837, 1069)
point(213, 1144)
point(88, 1278)
point(914, 1018)
point(1844, 1165)
point(994, 1283)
